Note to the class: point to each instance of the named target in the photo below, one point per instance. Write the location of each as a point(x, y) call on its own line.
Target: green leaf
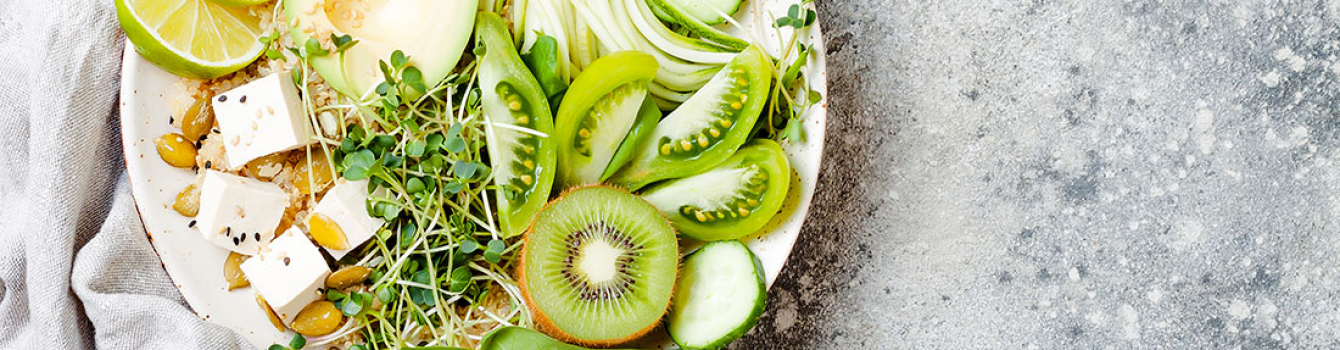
point(469, 246)
point(460, 279)
point(455, 144)
point(398, 59)
point(333, 295)
point(542, 59)
point(815, 97)
point(342, 42)
point(418, 295)
point(492, 257)
point(358, 165)
point(314, 48)
point(414, 78)
point(464, 169)
point(353, 305)
point(384, 294)
point(793, 12)
point(794, 131)
point(416, 149)
point(433, 142)
point(274, 54)
point(298, 342)
point(414, 185)
point(453, 187)
point(276, 347)
point(383, 88)
point(497, 246)
point(810, 16)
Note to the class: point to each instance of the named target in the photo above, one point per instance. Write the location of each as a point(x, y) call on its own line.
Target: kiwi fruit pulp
point(598, 266)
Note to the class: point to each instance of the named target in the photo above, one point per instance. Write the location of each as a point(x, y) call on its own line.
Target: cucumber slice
point(596, 115)
point(719, 296)
point(523, 163)
point(707, 11)
point(731, 200)
point(705, 130)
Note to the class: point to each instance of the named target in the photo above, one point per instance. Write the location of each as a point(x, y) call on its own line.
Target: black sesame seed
point(215, 130)
point(223, 98)
point(236, 241)
point(172, 120)
point(258, 236)
point(286, 261)
point(191, 224)
point(243, 99)
point(209, 164)
point(228, 231)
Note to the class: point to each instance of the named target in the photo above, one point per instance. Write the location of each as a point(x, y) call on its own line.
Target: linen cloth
point(76, 269)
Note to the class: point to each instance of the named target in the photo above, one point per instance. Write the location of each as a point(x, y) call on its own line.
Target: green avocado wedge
point(386, 27)
point(523, 163)
point(705, 130)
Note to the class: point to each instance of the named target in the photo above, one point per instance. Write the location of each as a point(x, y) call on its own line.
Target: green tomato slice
point(707, 128)
point(731, 200)
point(516, 108)
point(599, 110)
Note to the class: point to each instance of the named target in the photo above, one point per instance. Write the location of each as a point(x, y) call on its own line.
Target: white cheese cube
point(346, 205)
point(239, 213)
point(262, 117)
point(288, 273)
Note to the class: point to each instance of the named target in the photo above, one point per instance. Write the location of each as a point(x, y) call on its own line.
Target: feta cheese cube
point(346, 205)
point(288, 273)
point(262, 117)
point(238, 213)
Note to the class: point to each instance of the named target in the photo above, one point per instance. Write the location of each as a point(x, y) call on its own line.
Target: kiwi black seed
point(599, 266)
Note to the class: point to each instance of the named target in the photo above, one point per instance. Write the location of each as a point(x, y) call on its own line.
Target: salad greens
point(442, 265)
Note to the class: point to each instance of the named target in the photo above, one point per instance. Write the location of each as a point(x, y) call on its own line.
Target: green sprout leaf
point(298, 342)
point(469, 246)
point(398, 59)
point(314, 48)
point(464, 169)
point(460, 279)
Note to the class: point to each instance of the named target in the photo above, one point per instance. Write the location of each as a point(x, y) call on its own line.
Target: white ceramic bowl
point(196, 266)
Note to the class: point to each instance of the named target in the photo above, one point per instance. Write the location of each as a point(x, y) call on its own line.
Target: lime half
point(191, 38)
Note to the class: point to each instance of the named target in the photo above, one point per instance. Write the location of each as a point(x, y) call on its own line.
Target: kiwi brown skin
point(542, 321)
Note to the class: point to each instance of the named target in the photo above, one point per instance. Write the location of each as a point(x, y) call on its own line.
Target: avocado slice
point(433, 33)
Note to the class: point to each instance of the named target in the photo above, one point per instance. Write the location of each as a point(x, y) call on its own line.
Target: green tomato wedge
point(719, 296)
point(191, 38)
point(432, 33)
point(731, 200)
point(515, 107)
point(707, 128)
point(600, 108)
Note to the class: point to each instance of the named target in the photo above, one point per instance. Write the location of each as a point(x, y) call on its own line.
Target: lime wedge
point(242, 3)
point(191, 38)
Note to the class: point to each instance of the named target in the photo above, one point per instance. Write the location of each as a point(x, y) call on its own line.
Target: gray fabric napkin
point(76, 269)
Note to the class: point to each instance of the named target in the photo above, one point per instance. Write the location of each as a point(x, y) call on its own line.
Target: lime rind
point(152, 45)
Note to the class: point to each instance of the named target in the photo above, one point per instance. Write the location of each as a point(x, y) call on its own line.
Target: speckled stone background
point(1072, 175)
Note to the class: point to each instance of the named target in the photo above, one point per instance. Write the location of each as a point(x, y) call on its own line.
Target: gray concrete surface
point(1072, 175)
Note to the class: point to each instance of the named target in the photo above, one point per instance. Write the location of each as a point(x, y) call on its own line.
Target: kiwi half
point(598, 266)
